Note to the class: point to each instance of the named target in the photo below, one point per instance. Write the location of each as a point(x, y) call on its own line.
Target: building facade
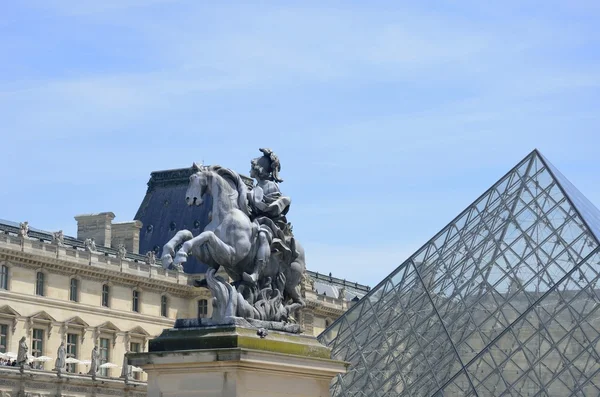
point(54, 291)
point(105, 287)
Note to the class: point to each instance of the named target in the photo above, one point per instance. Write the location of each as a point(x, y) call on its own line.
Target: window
point(135, 303)
point(104, 355)
point(39, 284)
point(105, 295)
point(135, 348)
point(4, 277)
point(37, 346)
point(164, 309)
point(72, 351)
point(3, 338)
point(202, 308)
point(74, 290)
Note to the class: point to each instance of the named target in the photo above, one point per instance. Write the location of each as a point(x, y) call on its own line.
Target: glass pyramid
point(502, 302)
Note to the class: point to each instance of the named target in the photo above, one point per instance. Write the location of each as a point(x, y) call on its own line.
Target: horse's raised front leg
point(220, 252)
point(169, 248)
point(263, 255)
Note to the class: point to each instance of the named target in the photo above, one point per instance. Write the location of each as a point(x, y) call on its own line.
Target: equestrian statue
point(250, 238)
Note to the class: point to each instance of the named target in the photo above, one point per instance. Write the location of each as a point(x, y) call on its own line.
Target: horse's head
point(215, 180)
point(199, 184)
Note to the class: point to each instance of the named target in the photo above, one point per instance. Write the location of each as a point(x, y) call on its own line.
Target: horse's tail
point(238, 184)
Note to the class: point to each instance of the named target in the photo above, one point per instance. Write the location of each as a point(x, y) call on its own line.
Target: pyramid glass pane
point(502, 301)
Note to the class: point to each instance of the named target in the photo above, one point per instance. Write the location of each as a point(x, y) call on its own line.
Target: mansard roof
point(163, 212)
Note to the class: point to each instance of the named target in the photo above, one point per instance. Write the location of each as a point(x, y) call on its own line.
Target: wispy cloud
point(404, 110)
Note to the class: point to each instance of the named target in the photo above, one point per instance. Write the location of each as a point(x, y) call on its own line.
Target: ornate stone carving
point(125, 367)
point(90, 245)
point(121, 252)
point(250, 237)
point(95, 361)
point(61, 356)
point(58, 238)
point(151, 258)
point(24, 230)
point(22, 353)
point(303, 285)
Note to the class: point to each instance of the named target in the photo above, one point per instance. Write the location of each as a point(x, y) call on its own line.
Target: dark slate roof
point(163, 212)
point(324, 284)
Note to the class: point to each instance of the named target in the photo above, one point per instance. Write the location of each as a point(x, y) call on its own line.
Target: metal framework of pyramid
point(502, 302)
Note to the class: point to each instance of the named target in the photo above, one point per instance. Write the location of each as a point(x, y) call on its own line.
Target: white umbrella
point(109, 365)
point(71, 360)
point(3, 355)
point(135, 369)
point(42, 358)
point(11, 355)
point(85, 362)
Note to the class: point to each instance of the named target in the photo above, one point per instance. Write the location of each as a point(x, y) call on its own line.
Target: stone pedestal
point(232, 361)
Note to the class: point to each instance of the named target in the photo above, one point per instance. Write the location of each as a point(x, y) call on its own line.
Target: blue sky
point(389, 117)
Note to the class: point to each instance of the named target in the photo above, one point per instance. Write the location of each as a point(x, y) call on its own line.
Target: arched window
point(135, 301)
point(105, 295)
point(202, 308)
point(164, 307)
point(74, 290)
point(39, 284)
point(3, 277)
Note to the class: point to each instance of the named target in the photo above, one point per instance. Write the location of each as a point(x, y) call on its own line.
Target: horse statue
point(229, 239)
point(266, 275)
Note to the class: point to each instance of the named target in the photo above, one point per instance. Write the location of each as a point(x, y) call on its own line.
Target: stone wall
point(57, 313)
point(32, 383)
point(96, 226)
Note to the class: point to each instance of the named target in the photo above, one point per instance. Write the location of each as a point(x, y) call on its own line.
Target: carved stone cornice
point(8, 296)
point(66, 267)
point(319, 308)
point(10, 314)
point(181, 176)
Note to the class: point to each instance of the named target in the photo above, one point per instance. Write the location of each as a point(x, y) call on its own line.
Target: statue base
point(234, 361)
point(238, 321)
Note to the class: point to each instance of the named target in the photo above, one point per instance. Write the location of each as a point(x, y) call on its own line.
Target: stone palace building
point(105, 287)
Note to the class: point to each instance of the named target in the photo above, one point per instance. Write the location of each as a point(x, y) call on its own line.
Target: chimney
point(96, 226)
point(128, 234)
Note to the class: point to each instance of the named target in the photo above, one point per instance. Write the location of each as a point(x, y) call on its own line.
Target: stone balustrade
point(32, 382)
point(103, 260)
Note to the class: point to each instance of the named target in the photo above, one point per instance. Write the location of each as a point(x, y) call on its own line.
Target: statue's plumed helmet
point(269, 162)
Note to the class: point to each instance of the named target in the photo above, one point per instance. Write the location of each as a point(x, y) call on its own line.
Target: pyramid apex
point(502, 265)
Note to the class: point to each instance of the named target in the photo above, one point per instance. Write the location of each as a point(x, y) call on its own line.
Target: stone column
point(233, 361)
